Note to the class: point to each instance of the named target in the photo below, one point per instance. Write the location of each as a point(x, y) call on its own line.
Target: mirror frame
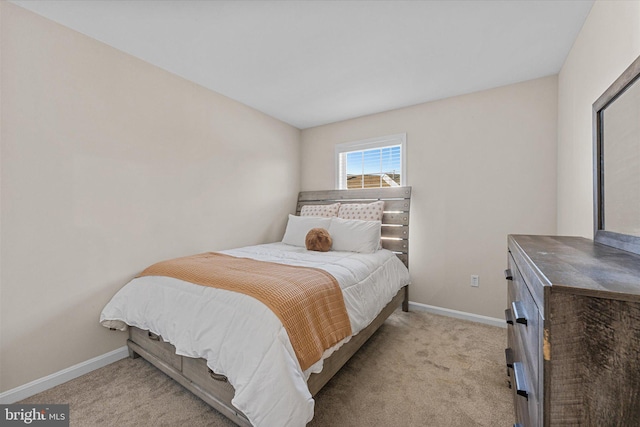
point(625, 242)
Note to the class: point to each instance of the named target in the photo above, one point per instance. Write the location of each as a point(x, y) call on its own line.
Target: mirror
point(617, 162)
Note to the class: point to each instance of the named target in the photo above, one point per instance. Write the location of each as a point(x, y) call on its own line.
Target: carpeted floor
point(419, 369)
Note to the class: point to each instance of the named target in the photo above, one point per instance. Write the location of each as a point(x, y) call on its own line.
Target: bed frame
point(214, 388)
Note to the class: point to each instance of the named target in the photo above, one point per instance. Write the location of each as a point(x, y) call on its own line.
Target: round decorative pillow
point(318, 239)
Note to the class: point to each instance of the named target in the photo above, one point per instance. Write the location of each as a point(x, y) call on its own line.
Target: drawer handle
point(508, 316)
point(521, 382)
point(518, 312)
point(508, 275)
point(217, 377)
point(508, 355)
point(153, 336)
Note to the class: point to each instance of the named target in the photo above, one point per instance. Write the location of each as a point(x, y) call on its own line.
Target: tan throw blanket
point(308, 301)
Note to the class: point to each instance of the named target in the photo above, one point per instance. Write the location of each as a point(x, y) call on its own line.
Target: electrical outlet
point(475, 280)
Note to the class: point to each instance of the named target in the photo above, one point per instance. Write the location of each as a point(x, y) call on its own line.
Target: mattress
point(241, 338)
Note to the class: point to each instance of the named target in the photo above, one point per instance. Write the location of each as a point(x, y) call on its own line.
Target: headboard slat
point(366, 194)
point(396, 205)
point(401, 232)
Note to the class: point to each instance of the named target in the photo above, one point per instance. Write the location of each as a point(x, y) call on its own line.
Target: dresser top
point(580, 265)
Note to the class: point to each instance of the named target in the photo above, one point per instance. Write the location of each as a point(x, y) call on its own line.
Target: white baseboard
point(457, 314)
point(60, 377)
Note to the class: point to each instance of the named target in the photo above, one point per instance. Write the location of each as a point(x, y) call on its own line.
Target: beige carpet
point(419, 369)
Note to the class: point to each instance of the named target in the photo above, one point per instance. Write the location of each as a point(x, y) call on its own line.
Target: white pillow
point(354, 235)
point(298, 227)
point(325, 211)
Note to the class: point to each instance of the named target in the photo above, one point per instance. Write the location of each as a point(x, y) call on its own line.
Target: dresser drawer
point(156, 345)
point(526, 388)
point(526, 322)
point(521, 404)
point(524, 332)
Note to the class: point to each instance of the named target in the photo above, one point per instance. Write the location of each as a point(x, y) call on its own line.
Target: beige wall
point(481, 166)
point(109, 164)
point(607, 44)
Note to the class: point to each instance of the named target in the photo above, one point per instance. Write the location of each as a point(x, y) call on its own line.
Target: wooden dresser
point(573, 356)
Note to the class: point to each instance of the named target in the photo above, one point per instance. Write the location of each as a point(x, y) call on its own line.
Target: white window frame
point(367, 144)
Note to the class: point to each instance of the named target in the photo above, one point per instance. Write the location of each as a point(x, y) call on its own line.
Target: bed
point(247, 346)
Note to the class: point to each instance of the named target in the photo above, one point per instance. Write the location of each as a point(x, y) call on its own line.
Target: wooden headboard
point(395, 221)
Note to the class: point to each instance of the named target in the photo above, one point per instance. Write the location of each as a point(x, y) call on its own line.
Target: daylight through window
point(372, 163)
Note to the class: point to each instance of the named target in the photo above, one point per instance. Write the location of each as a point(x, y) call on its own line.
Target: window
point(372, 163)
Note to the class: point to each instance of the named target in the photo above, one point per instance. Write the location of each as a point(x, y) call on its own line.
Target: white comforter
point(241, 338)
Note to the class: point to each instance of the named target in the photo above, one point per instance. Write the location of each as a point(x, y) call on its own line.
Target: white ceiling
point(309, 63)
